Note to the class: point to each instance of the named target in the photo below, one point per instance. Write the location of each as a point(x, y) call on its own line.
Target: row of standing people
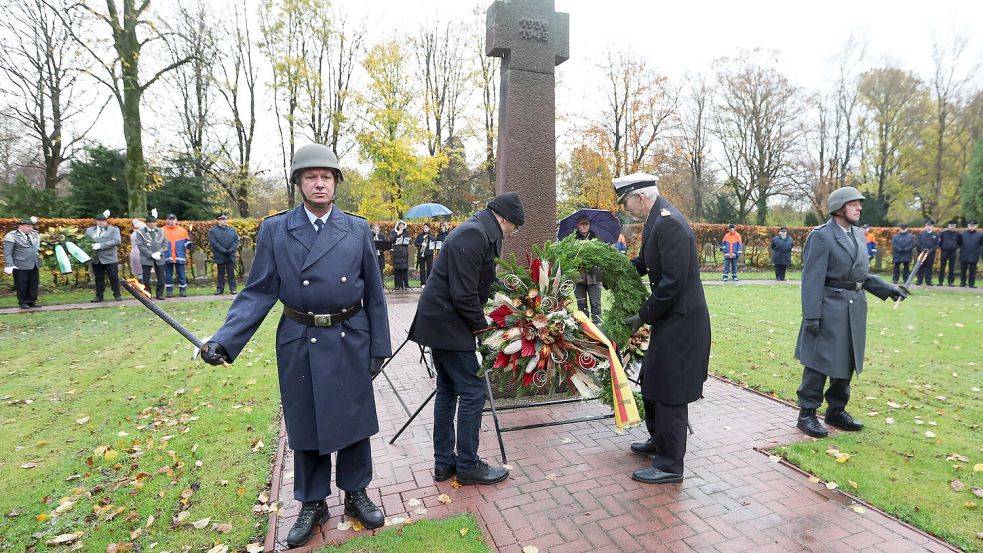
point(428, 246)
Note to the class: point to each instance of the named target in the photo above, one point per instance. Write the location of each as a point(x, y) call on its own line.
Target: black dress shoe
point(311, 514)
point(95, 300)
point(841, 419)
point(160, 297)
point(653, 475)
point(36, 305)
point(24, 305)
point(443, 473)
point(809, 424)
point(483, 474)
point(117, 298)
point(358, 505)
point(645, 448)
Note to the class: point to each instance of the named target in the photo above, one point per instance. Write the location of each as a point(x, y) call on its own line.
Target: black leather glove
point(899, 293)
point(214, 354)
point(375, 365)
point(635, 322)
point(812, 326)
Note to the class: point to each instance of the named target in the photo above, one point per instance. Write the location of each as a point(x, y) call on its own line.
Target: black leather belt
point(313, 319)
point(844, 284)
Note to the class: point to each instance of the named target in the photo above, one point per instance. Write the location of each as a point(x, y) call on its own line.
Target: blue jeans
point(182, 280)
point(730, 263)
point(457, 377)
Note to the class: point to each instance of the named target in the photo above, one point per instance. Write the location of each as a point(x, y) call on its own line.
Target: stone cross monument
point(531, 38)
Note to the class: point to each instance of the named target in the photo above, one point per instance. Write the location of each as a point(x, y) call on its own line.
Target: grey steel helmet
point(839, 197)
point(314, 156)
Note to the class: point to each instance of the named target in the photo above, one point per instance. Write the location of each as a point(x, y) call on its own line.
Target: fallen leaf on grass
point(957, 486)
point(64, 539)
point(893, 404)
point(42, 517)
point(64, 507)
point(858, 509)
point(28, 465)
point(150, 520)
point(929, 434)
point(978, 467)
point(220, 548)
point(889, 420)
point(444, 498)
point(977, 491)
point(258, 445)
point(83, 420)
point(223, 528)
point(464, 531)
point(254, 548)
point(842, 458)
point(853, 484)
point(970, 504)
point(199, 524)
point(250, 382)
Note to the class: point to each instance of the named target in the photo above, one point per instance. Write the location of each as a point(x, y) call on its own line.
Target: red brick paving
point(733, 498)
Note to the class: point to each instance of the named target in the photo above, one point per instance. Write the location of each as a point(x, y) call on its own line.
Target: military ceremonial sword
point(139, 292)
point(914, 271)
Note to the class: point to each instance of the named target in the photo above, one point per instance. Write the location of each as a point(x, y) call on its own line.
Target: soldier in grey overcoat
point(833, 332)
point(319, 263)
point(154, 248)
point(105, 260)
point(22, 259)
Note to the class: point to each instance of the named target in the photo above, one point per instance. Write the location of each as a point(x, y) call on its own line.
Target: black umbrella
point(604, 225)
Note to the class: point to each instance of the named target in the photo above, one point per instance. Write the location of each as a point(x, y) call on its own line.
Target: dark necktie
point(853, 240)
point(318, 224)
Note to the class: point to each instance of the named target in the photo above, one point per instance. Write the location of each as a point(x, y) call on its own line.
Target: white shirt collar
point(311, 217)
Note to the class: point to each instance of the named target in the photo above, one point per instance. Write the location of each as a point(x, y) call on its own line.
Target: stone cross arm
point(528, 34)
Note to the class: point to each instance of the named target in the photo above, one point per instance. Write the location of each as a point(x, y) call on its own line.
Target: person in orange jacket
point(871, 243)
point(733, 247)
point(177, 258)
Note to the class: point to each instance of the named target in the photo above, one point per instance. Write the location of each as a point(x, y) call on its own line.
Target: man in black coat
point(949, 242)
point(449, 314)
point(781, 252)
point(425, 244)
point(969, 254)
point(675, 366)
point(902, 244)
point(224, 241)
point(927, 241)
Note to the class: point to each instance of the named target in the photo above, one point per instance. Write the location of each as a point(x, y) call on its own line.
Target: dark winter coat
point(927, 241)
point(838, 349)
point(224, 242)
point(781, 250)
point(970, 250)
point(401, 249)
point(425, 244)
point(450, 311)
point(950, 240)
point(675, 366)
point(902, 244)
point(325, 385)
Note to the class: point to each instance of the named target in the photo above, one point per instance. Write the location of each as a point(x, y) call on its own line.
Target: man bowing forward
point(319, 262)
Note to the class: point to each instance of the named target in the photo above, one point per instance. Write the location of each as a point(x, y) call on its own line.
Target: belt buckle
point(322, 320)
point(857, 286)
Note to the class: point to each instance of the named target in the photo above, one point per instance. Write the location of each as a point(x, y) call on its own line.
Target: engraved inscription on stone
point(534, 29)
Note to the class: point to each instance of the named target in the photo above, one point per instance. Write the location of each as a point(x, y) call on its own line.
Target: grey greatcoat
point(325, 385)
point(21, 251)
point(838, 349)
point(153, 240)
point(109, 240)
point(224, 242)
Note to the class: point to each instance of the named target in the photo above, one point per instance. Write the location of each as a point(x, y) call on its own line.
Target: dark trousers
point(381, 258)
point(583, 292)
point(402, 277)
point(971, 269)
point(312, 471)
point(460, 390)
point(780, 271)
point(947, 258)
point(926, 270)
point(159, 269)
point(102, 270)
point(810, 391)
point(730, 264)
point(226, 271)
point(667, 426)
point(897, 270)
point(26, 284)
point(425, 265)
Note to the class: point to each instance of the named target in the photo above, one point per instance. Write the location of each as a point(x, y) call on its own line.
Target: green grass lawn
point(458, 534)
point(110, 430)
point(923, 370)
point(56, 296)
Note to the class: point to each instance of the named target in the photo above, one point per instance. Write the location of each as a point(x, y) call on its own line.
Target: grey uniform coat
point(325, 385)
point(153, 240)
point(675, 366)
point(838, 349)
point(20, 250)
point(108, 241)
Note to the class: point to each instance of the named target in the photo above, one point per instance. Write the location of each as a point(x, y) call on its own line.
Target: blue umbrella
point(604, 225)
point(427, 210)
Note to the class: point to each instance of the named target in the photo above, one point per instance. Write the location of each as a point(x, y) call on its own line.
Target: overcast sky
point(676, 37)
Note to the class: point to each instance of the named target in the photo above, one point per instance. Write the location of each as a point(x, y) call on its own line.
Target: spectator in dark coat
point(588, 282)
point(927, 241)
point(224, 241)
point(425, 244)
point(781, 252)
point(400, 237)
point(902, 245)
point(969, 254)
point(378, 239)
point(949, 242)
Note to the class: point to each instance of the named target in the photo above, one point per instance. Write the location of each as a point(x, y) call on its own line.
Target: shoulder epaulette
point(820, 226)
point(275, 214)
point(353, 215)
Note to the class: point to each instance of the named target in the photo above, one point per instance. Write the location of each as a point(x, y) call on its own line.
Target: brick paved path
point(571, 490)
